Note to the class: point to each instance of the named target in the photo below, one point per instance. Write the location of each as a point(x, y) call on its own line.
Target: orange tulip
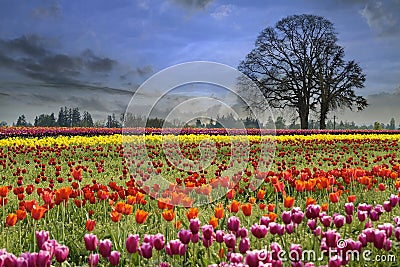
point(324, 207)
point(115, 216)
point(11, 219)
point(234, 206)
point(252, 200)
point(177, 225)
point(141, 216)
point(21, 215)
point(310, 201)
point(219, 211)
point(120, 207)
point(192, 213)
point(38, 212)
point(3, 191)
point(271, 207)
point(168, 215)
point(221, 253)
point(288, 202)
point(260, 194)
point(214, 222)
point(272, 216)
point(246, 209)
point(351, 198)
point(334, 197)
point(128, 209)
point(90, 224)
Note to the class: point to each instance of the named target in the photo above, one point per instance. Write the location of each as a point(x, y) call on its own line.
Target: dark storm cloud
point(31, 45)
point(193, 4)
point(144, 72)
point(28, 55)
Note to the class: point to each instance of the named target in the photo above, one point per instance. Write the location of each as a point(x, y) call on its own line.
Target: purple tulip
point(207, 230)
point(194, 225)
point(132, 243)
point(195, 238)
point(159, 240)
point(164, 264)
point(317, 231)
point(233, 224)
point(338, 220)
point(182, 249)
point(387, 245)
point(275, 250)
point(259, 230)
point(379, 209)
point(349, 219)
point(30, 257)
point(148, 239)
point(379, 238)
point(21, 262)
point(93, 260)
point(43, 259)
point(362, 215)
point(297, 216)
point(387, 206)
point(236, 258)
point(374, 215)
point(185, 236)
point(146, 250)
point(349, 208)
point(397, 233)
point(331, 238)
point(286, 217)
point(312, 211)
point(273, 228)
point(335, 261)
point(243, 232)
point(172, 247)
point(363, 239)
point(295, 252)
point(244, 245)
point(326, 220)
point(61, 253)
point(387, 227)
point(105, 248)
point(114, 258)
point(289, 228)
point(312, 224)
point(393, 199)
point(230, 240)
point(50, 246)
point(309, 264)
point(264, 220)
point(41, 237)
point(252, 258)
point(207, 242)
point(219, 236)
point(364, 207)
point(90, 242)
point(397, 220)
point(369, 233)
point(9, 259)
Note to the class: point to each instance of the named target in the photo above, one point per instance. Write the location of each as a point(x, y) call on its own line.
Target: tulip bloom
point(219, 212)
point(194, 225)
point(234, 206)
point(141, 216)
point(90, 224)
point(61, 253)
point(247, 209)
point(259, 230)
point(158, 241)
point(168, 215)
point(132, 243)
point(38, 212)
point(93, 260)
point(288, 202)
point(213, 222)
point(185, 236)
point(334, 197)
point(192, 213)
point(41, 238)
point(105, 247)
point(114, 258)
point(11, 219)
point(233, 224)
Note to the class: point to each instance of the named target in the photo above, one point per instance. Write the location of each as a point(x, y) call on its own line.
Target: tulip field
point(315, 199)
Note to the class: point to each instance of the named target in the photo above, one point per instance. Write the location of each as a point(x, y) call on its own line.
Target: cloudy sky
point(94, 54)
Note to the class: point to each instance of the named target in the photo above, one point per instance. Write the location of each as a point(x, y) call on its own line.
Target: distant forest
point(72, 117)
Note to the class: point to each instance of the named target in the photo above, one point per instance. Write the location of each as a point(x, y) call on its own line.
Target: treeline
point(72, 117)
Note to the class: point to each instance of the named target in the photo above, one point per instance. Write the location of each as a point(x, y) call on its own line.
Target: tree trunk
point(322, 117)
point(303, 113)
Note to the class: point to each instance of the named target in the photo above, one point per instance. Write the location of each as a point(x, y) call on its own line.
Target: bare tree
point(286, 62)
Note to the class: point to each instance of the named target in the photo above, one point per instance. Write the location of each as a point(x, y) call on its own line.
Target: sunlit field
point(99, 201)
